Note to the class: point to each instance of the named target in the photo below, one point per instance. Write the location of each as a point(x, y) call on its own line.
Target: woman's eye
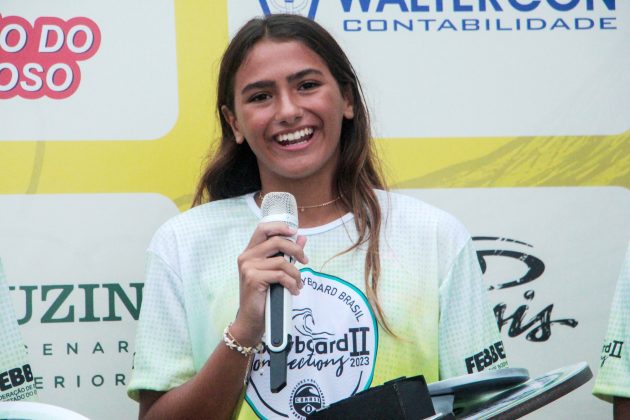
point(308, 85)
point(259, 97)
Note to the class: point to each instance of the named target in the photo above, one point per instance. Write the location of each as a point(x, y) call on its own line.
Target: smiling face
point(289, 108)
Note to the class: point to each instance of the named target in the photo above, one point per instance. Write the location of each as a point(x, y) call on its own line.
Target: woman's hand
point(258, 268)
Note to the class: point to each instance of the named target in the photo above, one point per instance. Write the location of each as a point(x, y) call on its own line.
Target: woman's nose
point(288, 109)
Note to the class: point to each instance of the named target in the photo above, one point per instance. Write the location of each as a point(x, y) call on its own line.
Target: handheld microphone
point(279, 207)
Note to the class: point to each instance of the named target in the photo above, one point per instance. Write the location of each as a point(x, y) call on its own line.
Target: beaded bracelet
point(233, 344)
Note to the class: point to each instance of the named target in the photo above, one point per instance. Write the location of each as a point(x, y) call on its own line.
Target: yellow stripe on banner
point(511, 162)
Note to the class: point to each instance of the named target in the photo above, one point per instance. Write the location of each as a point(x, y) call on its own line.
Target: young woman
point(385, 286)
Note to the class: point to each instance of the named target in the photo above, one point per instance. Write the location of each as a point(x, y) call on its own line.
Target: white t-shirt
point(430, 290)
point(613, 377)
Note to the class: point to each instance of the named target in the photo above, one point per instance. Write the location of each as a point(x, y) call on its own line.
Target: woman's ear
point(348, 103)
point(231, 119)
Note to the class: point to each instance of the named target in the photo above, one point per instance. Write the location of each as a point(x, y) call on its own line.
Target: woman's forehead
point(273, 57)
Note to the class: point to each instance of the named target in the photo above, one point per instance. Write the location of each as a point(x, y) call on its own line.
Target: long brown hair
point(233, 169)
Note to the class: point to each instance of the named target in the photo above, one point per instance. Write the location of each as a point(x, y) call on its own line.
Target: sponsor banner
point(75, 269)
point(87, 71)
point(455, 68)
point(551, 258)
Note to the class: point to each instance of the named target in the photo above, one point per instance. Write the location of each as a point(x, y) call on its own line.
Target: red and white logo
point(42, 59)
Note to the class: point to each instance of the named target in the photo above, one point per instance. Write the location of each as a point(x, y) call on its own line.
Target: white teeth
point(294, 136)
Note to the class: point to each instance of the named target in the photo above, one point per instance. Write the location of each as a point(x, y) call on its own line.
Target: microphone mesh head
point(281, 203)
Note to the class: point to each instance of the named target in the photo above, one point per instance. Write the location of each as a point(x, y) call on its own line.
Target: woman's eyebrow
point(261, 84)
point(266, 84)
point(303, 73)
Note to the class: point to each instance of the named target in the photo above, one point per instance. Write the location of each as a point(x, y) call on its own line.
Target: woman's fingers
point(301, 241)
point(265, 231)
point(280, 244)
point(258, 274)
point(271, 240)
point(263, 263)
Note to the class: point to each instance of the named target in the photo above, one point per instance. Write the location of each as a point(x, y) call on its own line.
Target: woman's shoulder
point(412, 213)
point(205, 218)
point(401, 204)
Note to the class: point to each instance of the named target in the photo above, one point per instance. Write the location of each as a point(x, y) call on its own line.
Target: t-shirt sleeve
point(163, 356)
point(613, 377)
point(469, 338)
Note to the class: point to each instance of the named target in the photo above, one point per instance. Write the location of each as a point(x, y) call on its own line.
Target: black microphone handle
point(277, 360)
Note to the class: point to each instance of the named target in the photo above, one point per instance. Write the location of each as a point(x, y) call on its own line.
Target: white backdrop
point(456, 96)
point(66, 256)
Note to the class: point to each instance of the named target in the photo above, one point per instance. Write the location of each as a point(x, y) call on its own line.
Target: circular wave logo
point(306, 398)
point(335, 341)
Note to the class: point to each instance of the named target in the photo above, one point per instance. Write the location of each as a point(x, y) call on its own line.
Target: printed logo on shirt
point(612, 349)
point(493, 355)
point(306, 398)
point(335, 339)
point(17, 384)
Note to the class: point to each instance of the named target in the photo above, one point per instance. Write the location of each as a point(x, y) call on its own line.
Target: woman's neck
point(316, 206)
